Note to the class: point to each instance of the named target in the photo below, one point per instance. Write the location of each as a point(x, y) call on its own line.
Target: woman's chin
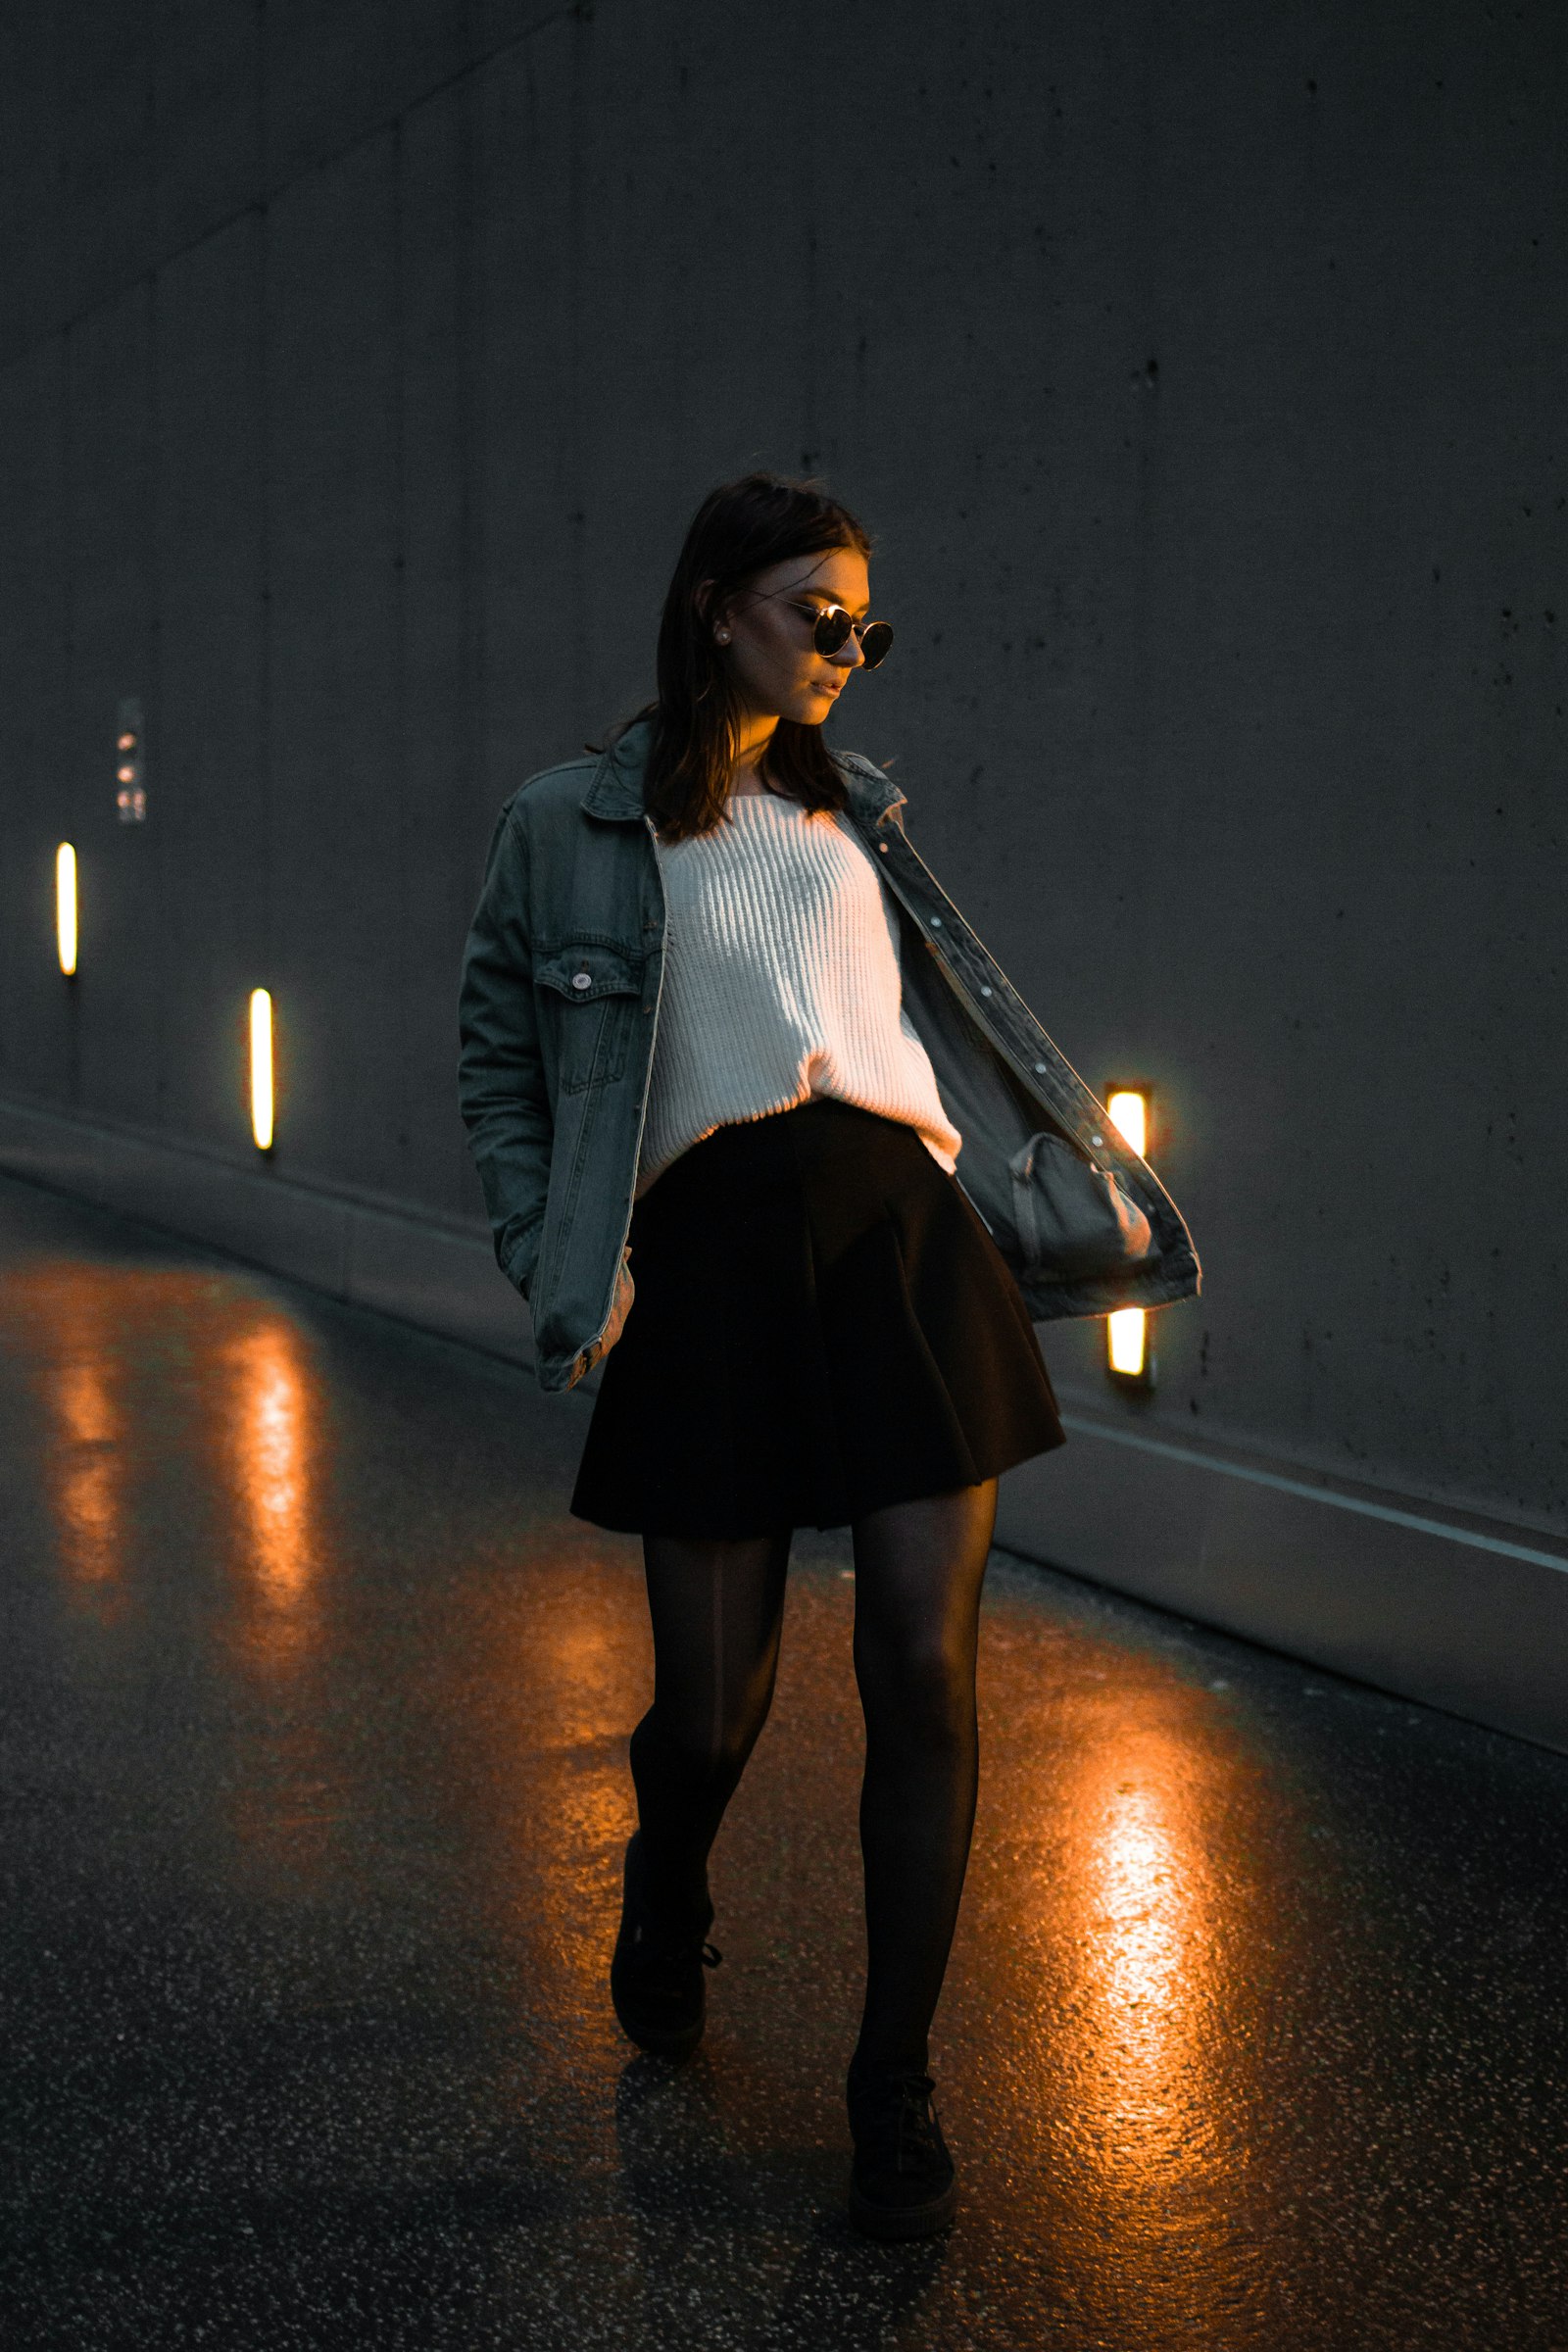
point(812, 710)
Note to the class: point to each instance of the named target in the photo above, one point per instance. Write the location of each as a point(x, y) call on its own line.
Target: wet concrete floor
point(314, 1707)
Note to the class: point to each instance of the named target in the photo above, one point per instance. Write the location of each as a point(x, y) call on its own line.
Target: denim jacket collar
point(616, 791)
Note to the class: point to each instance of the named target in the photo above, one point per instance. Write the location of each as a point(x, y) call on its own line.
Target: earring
point(724, 636)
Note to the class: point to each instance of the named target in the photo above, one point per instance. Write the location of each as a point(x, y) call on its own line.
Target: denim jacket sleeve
point(501, 1080)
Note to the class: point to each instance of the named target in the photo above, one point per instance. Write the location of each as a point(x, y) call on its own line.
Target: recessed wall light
point(262, 1094)
point(1127, 1344)
point(1129, 1357)
point(1128, 1107)
point(66, 909)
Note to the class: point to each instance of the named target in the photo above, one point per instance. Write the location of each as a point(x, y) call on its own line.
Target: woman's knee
point(737, 1735)
point(706, 1747)
point(920, 1691)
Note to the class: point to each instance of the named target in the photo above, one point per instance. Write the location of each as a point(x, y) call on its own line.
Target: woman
point(762, 1123)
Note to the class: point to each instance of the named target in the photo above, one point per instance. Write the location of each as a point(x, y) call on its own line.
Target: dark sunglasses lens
point(832, 627)
point(875, 643)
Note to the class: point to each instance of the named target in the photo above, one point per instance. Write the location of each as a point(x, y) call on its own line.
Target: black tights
point(718, 1609)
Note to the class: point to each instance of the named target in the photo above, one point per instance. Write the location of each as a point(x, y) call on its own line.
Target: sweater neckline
point(777, 803)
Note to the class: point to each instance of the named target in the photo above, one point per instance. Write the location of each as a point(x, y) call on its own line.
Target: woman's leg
point(717, 1608)
point(918, 1568)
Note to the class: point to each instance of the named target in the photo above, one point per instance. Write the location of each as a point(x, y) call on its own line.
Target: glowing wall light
point(66, 908)
point(1127, 1343)
point(1128, 1355)
point(1128, 1107)
point(261, 1069)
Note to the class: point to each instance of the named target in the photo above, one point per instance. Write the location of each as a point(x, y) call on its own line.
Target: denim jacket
point(561, 980)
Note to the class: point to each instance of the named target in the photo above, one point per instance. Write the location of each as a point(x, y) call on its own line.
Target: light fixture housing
point(66, 909)
point(130, 763)
point(263, 1097)
point(1129, 1342)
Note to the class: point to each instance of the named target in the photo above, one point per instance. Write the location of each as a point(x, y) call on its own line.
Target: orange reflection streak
point(1154, 1935)
point(578, 1683)
point(292, 1792)
point(69, 1320)
point(575, 1660)
point(273, 1405)
point(1146, 1892)
point(87, 1485)
point(569, 1638)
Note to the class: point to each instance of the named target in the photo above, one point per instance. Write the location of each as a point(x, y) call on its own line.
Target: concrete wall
point(1201, 374)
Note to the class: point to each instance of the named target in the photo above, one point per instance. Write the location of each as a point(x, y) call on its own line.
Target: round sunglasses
point(833, 627)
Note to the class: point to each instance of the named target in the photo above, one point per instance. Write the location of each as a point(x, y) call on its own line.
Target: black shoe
point(901, 2184)
point(655, 1976)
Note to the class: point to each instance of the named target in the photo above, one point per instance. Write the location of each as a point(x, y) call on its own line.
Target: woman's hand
point(626, 1293)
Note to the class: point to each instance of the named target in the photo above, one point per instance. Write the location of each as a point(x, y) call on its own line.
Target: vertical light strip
point(1126, 1338)
point(261, 1069)
point(1128, 1112)
point(66, 908)
point(1127, 1329)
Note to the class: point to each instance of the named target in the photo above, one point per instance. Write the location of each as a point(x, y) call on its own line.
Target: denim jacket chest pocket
point(591, 988)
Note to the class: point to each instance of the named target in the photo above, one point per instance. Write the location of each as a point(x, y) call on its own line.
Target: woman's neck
point(753, 736)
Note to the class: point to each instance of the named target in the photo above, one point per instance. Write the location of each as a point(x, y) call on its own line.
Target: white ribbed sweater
point(781, 982)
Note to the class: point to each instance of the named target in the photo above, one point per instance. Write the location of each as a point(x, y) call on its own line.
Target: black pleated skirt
point(822, 1326)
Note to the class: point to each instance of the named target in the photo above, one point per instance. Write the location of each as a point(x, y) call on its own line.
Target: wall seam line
point(1194, 1460)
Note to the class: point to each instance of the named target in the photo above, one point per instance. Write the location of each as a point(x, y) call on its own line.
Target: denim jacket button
point(883, 847)
point(936, 922)
point(1039, 1069)
point(985, 992)
point(582, 980)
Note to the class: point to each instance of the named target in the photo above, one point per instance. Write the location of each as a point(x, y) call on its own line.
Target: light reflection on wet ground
point(314, 1709)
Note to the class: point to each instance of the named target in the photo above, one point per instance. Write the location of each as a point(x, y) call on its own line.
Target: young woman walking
point(760, 1123)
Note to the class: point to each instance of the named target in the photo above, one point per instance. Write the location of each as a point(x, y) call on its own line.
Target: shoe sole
point(894, 2223)
point(660, 2045)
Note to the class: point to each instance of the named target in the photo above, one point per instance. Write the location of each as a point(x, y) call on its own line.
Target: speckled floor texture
point(314, 1707)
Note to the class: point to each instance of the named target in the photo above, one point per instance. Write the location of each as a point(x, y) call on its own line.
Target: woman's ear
point(717, 620)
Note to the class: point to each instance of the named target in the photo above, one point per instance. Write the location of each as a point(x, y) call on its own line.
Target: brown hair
point(739, 530)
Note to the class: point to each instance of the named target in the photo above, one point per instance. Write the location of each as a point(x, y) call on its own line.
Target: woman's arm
point(501, 1081)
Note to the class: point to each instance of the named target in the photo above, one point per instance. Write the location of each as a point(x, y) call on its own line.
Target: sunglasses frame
point(828, 637)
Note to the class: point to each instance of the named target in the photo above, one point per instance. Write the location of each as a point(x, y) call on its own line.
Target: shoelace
point(664, 1960)
point(917, 2125)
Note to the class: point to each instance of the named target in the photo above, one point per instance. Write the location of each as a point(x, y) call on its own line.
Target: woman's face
point(768, 648)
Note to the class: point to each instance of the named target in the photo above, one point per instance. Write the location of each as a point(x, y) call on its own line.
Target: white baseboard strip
point(1465, 1617)
point(1450, 1531)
